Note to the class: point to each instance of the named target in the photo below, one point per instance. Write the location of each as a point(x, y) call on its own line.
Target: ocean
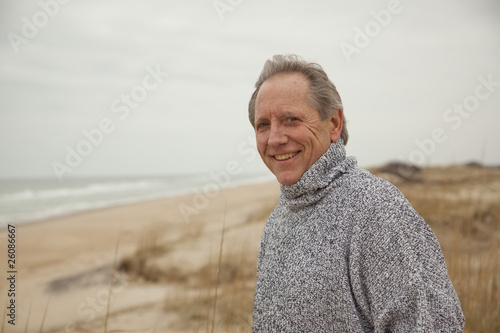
point(30, 200)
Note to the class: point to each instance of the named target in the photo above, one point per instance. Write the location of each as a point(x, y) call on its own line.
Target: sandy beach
point(68, 267)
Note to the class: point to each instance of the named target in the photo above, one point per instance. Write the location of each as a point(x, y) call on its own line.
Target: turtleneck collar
point(313, 184)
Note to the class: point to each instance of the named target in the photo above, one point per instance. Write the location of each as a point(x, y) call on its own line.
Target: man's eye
point(262, 125)
point(291, 119)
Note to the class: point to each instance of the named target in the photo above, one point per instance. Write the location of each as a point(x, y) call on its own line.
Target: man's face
point(290, 133)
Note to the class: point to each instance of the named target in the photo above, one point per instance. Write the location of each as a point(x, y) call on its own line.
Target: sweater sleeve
point(398, 274)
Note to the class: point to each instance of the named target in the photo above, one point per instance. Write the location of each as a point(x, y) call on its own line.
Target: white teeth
point(284, 157)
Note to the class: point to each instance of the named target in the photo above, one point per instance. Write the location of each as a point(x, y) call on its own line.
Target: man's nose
point(277, 136)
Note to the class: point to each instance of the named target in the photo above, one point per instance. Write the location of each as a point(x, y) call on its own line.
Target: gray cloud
point(395, 90)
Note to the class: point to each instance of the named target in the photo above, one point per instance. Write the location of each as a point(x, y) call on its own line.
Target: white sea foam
point(87, 190)
point(34, 200)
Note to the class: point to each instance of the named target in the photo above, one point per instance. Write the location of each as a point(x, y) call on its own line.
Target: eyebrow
point(281, 116)
point(287, 114)
point(259, 120)
point(284, 115)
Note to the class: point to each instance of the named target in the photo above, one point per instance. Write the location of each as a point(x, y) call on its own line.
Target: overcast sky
point(419, 81)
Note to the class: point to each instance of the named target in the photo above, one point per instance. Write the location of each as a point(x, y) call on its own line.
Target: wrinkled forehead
point(289, 87)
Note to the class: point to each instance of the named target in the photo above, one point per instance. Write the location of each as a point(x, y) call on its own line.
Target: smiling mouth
point(285, 157)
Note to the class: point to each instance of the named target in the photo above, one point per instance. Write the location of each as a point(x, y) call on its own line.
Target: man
point(343, 251)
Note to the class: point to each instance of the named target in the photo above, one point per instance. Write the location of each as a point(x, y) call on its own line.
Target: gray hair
point(323, 95)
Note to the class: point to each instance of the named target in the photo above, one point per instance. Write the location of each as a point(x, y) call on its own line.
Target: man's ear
point(337, 121)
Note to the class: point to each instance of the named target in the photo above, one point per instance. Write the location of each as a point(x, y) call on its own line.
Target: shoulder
point(375, 210)
point(364, 192)
point(385, 221)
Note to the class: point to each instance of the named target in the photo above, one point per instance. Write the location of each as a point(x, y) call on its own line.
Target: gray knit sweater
point(344, 251)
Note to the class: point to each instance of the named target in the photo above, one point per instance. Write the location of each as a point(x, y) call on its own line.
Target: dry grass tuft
point(138, 264)
point(194, 307)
